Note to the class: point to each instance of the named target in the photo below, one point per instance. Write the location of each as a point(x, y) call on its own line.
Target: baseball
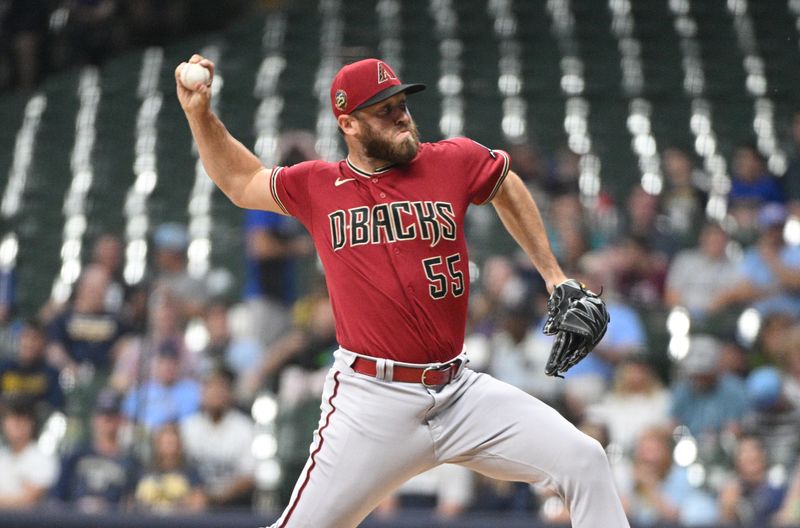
point(193, 73)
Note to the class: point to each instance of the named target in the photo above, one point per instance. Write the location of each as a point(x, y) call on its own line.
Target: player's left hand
point(579, 319)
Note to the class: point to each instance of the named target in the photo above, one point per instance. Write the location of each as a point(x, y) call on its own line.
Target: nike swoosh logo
point(339, 181)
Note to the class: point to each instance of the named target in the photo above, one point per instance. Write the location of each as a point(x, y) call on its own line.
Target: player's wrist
point(198, 112)
point(555, 281)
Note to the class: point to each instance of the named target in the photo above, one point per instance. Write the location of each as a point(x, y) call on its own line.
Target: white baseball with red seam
point(194, 73)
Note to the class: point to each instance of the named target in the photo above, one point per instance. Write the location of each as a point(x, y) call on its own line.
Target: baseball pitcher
point(388, 224)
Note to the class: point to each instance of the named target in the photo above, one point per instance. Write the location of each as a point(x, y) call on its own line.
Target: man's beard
point(377, 147)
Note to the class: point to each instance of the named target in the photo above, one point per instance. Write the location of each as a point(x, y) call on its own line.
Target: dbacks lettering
point(392, 222)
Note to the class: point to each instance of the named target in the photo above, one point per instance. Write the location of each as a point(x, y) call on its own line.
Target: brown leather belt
point(428, 375)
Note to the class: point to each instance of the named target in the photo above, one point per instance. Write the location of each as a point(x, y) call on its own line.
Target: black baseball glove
point(579, 319)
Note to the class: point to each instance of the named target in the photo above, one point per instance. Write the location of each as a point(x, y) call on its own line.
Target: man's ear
point(348, 124)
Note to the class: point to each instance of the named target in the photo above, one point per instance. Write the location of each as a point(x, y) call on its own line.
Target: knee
point(586, 458)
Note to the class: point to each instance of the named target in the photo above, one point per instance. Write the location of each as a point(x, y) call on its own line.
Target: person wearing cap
point(705, 399)
point(166, 396)
point(771, 416)
point(98, 475)
point(769, 272)
point(172, 277)
point(388, 226)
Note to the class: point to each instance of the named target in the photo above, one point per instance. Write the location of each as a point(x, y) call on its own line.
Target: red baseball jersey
point(392, 244)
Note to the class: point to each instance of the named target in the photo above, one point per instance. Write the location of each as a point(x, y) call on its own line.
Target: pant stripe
point(314, 454)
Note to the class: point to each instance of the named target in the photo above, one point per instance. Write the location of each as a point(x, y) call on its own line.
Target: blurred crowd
point(172, 395)
point(40, 36)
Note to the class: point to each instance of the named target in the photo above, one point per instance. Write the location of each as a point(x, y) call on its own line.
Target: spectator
point(165, 329)
point(770, 344)
point(85, 333)
point(568, 233)
point(658, 490)
point(97, 477)
point(27, 471)
point(707, 401)
point(736, 359)
point(637, 271)
point(529, 161)
point(218, 442)
point(500, 284)
point(770, 270)
point(171, 275)
point(564, 173)
point(274, 246)
point(696, 276)
point(170, 485)
point(107, 253)
point(772, 418)
point(683, 200)
point(306, 348)
point(637, 401)
point(166, 396)
point(644, 221)
point(8, 297)
point(92, 30)
point(25, 28)
point(224, 350)
point(750, 499)
point(752, 187)
point(29, 376)
point(791, 178)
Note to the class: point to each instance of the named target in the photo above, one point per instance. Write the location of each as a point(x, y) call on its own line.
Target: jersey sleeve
point(484, 169)
point(290, 189)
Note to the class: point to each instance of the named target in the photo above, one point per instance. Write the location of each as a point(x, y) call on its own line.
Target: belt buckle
point(439, 367)
point(433, 368)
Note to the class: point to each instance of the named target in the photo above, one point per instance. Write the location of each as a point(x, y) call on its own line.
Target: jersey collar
point(367, 174)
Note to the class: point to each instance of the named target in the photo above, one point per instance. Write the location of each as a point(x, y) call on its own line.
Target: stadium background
point(99, 143)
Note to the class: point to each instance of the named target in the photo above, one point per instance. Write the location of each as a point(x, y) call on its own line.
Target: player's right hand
point(194, 100)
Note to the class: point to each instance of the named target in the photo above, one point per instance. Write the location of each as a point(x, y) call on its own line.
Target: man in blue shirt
point(705, 399)
point(273, 245)
point(165, 397)
point(770, 270)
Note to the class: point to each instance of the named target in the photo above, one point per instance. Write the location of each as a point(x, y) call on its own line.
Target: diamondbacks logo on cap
point(341, 100)
point(385, 73)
